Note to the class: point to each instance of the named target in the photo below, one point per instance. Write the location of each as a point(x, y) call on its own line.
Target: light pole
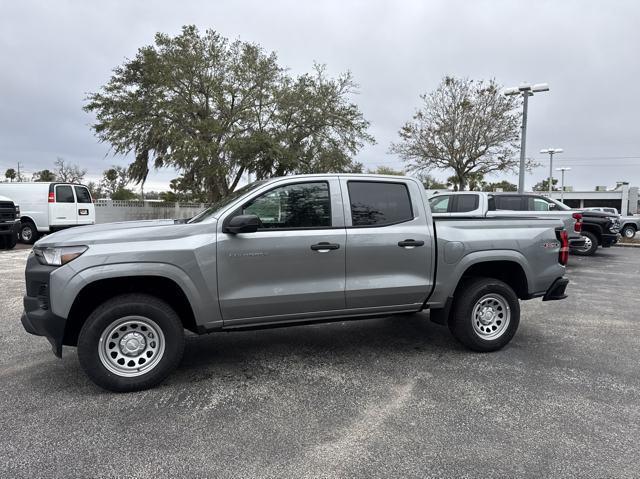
point(551, 152)
point(526, 91)
point(563, 169)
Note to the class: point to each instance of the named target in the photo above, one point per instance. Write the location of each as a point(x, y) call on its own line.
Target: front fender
point(66, 284)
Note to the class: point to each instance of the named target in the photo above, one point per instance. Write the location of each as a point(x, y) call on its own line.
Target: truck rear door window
point(509, 203)
point(466, 203)
point(375, 203)
point(83, 194)
point(64, 194)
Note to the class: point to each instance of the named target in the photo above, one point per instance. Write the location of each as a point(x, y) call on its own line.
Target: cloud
point(53, 53)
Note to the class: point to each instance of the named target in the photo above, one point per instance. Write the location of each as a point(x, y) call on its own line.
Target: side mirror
point(242, 224)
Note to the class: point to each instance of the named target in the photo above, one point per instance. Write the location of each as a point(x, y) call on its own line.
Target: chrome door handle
point(410, 243)
point(324, 247)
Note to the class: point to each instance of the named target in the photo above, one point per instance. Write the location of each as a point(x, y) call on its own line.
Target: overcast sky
point(53, 53)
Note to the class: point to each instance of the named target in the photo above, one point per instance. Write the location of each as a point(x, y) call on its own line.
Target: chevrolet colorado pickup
point(284, 251)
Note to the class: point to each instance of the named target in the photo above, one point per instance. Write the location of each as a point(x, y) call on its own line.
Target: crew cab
point(284, 251)
point(474, 203)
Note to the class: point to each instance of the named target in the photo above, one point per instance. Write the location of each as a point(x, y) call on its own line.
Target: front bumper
point(556, 290)
point(37, 317)
point(12, 228)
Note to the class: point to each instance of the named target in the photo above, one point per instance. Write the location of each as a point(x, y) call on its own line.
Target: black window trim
point(239, 209)
point(413, 216)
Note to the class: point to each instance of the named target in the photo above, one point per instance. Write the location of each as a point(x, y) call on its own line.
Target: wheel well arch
point(99, 291)
point(509, 272)
point(591, 228)
point(25, 218)
point(629, 225)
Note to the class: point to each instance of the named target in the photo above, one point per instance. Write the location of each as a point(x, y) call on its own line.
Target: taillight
point(563, 255)
point(578, 226)
point(52, 197)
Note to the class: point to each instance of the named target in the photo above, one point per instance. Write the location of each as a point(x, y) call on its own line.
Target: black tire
point(465, 323)
point(28, 232)
point(112, 313)
point(628, 231)
point(590, 248)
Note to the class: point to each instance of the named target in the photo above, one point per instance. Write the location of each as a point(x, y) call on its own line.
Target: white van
point(48, 207)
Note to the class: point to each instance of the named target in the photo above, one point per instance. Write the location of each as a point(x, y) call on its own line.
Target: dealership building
point(623, 197)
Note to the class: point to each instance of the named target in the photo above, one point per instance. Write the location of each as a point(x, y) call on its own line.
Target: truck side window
point(466, 203)
point(82, 194)
point(64, 194)
point(439, 204)
point(300, 205)
point(376, 203)
point(509, 203)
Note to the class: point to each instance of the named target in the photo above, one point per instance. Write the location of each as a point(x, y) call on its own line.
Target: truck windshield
point(223, 202)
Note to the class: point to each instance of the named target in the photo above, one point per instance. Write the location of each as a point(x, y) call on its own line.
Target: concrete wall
point(112, 211)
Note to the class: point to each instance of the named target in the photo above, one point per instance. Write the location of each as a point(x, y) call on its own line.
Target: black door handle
point(324, 246)
point(410, 243)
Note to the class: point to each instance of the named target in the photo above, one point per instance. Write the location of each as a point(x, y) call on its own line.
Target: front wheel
point(130, 343)
point(28, 232)
point(628, 232)
point(485, 315)
point(590, 245)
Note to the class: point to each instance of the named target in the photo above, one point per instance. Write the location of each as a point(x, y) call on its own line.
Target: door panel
point(63, 212)
point(275, 273)
point(380, 272)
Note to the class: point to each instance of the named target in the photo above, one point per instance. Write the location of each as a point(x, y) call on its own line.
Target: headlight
point(59, 256)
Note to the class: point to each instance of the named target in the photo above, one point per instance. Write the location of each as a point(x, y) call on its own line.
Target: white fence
point(109, 211)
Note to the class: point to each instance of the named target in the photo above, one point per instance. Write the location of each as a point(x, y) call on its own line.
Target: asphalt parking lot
point(390, 397)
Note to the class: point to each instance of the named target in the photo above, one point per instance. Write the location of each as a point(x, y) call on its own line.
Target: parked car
point(9, 223)
point(279, 252)
point(49, 207)
point(629, 225)
point(481, 204)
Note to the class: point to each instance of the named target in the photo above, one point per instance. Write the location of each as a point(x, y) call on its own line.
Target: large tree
point(215, 109)
point(10, 174)
point(465, 126)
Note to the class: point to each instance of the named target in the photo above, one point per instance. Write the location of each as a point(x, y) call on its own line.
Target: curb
point(628, 245)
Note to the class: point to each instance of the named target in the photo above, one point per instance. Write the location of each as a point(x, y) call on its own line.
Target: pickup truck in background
point(586, 229)
point(9, 223)
point(284, 251)
point(481, 204)
point(629, 225)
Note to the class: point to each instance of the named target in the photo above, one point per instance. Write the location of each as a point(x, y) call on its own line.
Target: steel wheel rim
point(491, 316)
point(587, 243)
point(629, 232)
point(26, 233)
point(131, 346)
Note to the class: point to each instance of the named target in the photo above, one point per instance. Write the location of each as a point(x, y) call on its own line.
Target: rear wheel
point(485, 315)
point(590, 245)
point(28, 232)
point(130, 343)
point(628, 231)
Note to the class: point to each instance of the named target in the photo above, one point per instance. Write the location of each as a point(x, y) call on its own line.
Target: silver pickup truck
point(278, 252)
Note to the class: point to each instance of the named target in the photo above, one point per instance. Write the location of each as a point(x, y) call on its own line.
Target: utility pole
point(563, 169)
point(18, 177)
point(551, 152)
point(525, 90)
